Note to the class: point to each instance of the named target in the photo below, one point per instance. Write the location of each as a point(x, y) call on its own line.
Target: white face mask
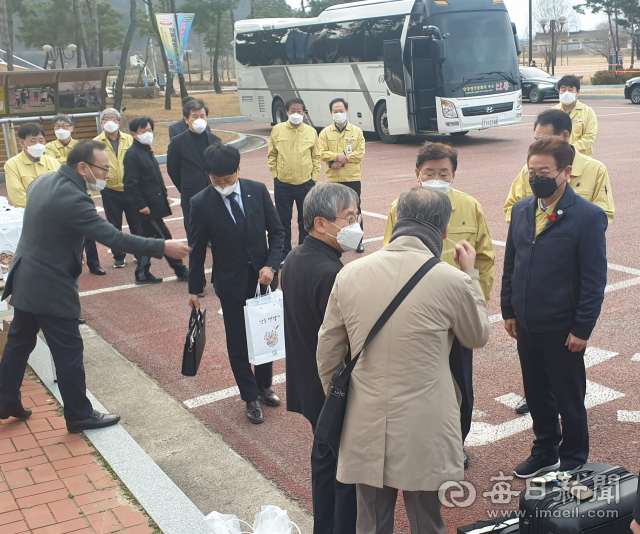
point(98, 186)
point(568, 98)
point(110, 127)
point(348, 237)
point(295, 118)
point(146, 138)
point(226, 191)
point(36, 151)
point(437, 185)
point(199, 125)
point(62, 134)
point(340, 118)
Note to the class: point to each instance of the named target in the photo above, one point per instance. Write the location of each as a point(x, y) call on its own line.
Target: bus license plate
point(488, 123)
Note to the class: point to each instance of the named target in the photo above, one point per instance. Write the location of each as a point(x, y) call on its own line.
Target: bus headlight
point(449, 110)
point(519, 104)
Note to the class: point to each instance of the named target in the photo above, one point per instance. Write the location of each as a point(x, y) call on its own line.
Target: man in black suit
point(182, 125)
point(234, 215)
point(43, 280)
point(327, 209)
point(144, 187)
point(185, 161)
point(555, 274)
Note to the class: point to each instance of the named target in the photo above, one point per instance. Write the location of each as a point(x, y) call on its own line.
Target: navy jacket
point(557, 280)
point(211, 221)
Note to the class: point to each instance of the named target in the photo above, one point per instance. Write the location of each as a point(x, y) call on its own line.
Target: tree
point(266, 9)
point(165, 62)
point(111, 32)
point(549, 10)
point(4, 28)
point(631, 12)
point(318, 6)
point(124, 56)
point(609, 7)
point(82, 34)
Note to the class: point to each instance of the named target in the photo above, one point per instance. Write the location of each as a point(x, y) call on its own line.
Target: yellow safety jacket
point(116, 161)
point(584, 128)
point(294, 157)
point(589, 179)
point(467, 223)
point(349, 142)
point(58, 151)
point(20, 171)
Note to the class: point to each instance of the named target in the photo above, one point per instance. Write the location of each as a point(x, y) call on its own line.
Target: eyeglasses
point(105, 169)
point(546, 174)
point(351, 220)
point(432, 176)
point(62, 127)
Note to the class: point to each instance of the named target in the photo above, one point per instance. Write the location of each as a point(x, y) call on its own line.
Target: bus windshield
point(479, 42)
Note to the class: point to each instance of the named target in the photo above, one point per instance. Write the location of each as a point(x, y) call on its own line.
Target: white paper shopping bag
point(264, 321)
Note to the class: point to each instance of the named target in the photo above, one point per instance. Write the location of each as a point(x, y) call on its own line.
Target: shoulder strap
point(391, 308)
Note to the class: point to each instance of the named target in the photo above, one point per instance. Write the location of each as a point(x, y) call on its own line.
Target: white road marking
point(128, 286)
point(372, 239)
point(622, 285)
point(593, 356)
point(636, 357)
point(203, 400)
point(628, 416)
point(495, 318)
point(511, 400)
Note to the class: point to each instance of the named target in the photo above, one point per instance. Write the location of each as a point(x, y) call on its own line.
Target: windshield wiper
point(499, 73)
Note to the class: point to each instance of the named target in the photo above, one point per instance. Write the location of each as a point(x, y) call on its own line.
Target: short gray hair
point(425, 205)
point(110, 111)
point(326, 200)
point(64, 118)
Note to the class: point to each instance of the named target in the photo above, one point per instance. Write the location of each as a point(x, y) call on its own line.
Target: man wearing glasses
point(114, 199)
point(436, 167)
point(555, 273)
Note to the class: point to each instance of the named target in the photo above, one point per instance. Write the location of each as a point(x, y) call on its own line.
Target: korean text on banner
point(184, 27)
point(174, 31)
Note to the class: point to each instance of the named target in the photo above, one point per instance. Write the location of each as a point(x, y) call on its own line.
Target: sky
point(519, 13)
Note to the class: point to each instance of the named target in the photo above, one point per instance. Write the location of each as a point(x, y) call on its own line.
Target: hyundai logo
point(489, 109)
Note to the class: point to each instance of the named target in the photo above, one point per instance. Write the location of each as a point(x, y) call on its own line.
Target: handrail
point(48, 117)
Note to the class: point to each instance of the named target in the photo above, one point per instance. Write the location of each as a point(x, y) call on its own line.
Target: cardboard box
point(4, 333)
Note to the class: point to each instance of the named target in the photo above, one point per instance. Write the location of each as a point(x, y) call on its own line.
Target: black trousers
point(285, 195)
point(115, 205)
point(186, 213)
point(357, 187)
point(335, 506)
point(555, 383)
point(234, 327)
point(65, 344)
point(158, 229)
point(461, 364)
point(91, 251)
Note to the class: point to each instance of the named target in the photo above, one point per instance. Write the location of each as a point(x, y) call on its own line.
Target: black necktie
point(241, 222)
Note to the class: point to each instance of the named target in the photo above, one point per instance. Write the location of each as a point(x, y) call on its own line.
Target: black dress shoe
point(82, 321)
point(18, 413)
point(97, 270)
point(522, 407)
point(360, 248)
point(466, 459)
point(254, 412)
point(150, 279)
point(183, 276)
point(282, 264)
point(119, 264)
point(96, 420)
point(269, 397)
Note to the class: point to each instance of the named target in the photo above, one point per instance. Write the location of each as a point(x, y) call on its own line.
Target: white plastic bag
point(273, 520)
point(264, 322)
point(223, 523)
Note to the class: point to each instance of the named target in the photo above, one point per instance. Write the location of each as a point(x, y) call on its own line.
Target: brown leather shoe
point(255, 414)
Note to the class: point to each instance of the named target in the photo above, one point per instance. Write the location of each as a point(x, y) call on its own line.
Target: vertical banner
point(174, 32)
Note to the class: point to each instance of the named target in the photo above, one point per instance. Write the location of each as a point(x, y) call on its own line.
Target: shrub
point(612, 77)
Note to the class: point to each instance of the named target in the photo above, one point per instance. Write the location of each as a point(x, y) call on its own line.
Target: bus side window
point(380, 30)
point(249, 49)
point(295, 44)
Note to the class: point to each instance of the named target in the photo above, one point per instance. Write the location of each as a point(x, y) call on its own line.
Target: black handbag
point(329, 427)
point(195, 342)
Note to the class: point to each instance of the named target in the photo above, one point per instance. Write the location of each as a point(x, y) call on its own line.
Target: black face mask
point(543, 187)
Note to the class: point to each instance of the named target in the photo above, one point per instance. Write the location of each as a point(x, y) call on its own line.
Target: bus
point(405, 67)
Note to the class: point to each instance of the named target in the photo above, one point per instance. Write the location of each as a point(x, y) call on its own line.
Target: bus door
point(394, 117)
point(422, 93)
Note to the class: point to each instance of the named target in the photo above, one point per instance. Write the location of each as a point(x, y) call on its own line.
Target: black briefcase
point(329, 427)
point(194, 345)
point(607, 497)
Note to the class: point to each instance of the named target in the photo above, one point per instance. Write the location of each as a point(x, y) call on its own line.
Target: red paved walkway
point(50, 482)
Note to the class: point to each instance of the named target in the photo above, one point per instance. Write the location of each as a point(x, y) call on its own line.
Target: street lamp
point(188, 55)
point(553, 25)
point(53, 54)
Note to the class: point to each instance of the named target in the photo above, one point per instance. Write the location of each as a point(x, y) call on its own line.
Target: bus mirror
point(515, 38)
point(438, 51)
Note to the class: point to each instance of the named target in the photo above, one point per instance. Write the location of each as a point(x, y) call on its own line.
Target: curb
point(601, 97)
point(166, 504)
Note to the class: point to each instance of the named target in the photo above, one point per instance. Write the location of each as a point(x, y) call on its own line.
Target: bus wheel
point(279, 112)
point(382, 126)
point(535, 96)
point(458, 134)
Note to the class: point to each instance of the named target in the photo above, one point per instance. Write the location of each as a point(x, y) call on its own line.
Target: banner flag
point(174, 31)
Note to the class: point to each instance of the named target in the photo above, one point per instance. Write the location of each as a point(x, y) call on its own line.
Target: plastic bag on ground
point(223, 523)
point(273, 520)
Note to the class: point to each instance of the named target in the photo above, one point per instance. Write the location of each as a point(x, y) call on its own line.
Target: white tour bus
point(404, 66)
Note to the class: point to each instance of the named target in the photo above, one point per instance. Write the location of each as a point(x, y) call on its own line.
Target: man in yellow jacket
point(24, 168)
point(59, 150)
point(589, 177)
point(114, 199)
point(585, 122)
point(436, 167)
point(294, 162)
point(342, 149)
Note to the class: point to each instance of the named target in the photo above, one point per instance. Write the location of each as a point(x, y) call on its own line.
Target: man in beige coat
point(402, 424)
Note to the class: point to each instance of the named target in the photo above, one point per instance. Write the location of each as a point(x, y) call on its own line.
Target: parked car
point(537, 84)
point(632, 90)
